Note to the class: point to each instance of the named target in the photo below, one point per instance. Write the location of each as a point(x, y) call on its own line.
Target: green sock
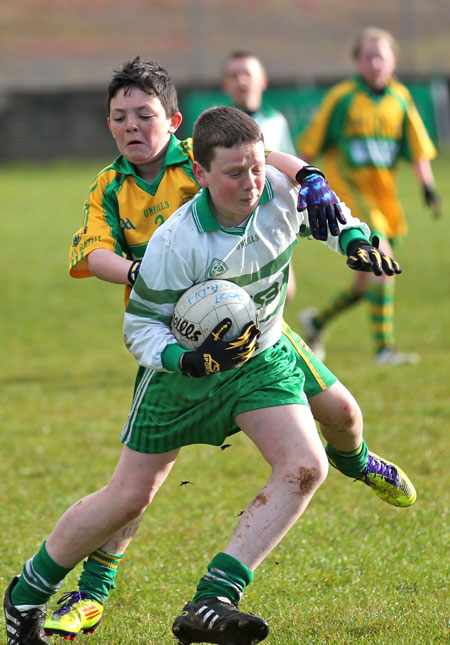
point(380, 296)
point(226, 577)
point(351, 463)
point(41, 578)
point(345, 299)
point(99, 571)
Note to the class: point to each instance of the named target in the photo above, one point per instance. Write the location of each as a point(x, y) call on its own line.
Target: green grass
point(353, 570)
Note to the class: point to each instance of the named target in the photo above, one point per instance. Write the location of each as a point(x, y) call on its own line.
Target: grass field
point(353, 570)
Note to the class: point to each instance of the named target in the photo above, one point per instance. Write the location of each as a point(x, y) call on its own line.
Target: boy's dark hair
point(149, 77)
point(223, 127)
point(240, 54)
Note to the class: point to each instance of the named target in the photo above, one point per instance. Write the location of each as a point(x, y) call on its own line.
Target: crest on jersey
point(215, 268)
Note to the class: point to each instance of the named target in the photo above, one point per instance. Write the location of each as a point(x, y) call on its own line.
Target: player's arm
point(424, 174)
point(363, 255)
point(96, 248)
point(107, 265)
point(162, 278)
point(322, 204)
point(420, 148)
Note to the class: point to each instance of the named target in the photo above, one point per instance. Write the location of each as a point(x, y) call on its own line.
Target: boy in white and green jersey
point(244, 79)
point(265, 397)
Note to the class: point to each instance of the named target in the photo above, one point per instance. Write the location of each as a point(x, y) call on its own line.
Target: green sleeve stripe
point(170, 357)
point(136, 308)
point(91, 190)
point(163, 297)
point(349, 235)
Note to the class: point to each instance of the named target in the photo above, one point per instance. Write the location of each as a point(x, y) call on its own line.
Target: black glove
point(217, 355)
point(363, 256)
point(324, 210)
point(133, 272)
point(432, 199)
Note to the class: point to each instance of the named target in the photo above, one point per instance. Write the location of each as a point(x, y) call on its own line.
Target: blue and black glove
point(322, 204)
point(364, 256)
point(217, 355)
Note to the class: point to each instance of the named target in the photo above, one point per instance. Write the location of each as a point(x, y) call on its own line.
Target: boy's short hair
point(374, 33)
point(149, 77)
point(223, 127)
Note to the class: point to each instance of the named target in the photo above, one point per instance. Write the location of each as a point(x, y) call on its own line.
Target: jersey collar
point(174, 156)
point(368, 90)
point(204, 217)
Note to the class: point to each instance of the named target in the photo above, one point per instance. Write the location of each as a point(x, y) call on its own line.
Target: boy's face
point(235, 181)
point(140, 126)
point(245, 81)
point(376, 63)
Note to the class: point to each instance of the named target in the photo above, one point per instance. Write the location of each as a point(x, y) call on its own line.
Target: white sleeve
point(164, 275)
point(352, 222)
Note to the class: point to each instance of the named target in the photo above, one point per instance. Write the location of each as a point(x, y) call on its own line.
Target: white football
point(204, 305)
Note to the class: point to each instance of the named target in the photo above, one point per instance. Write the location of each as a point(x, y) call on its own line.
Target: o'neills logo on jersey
point(248, 240)
point(186, 329)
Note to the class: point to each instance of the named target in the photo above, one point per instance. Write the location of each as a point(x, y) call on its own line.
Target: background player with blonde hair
point(363, 127)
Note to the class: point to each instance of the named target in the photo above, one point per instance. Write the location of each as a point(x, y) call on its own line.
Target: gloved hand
point(322, 204)
point(217, 355)
point(133, 271)
point(432, 199)
point(364, 256)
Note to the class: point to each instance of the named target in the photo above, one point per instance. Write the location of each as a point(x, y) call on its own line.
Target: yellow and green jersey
point(123, 211)
point(362, 135)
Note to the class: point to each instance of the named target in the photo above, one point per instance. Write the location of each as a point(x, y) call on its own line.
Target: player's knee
point(348, 414)
point(320, 465)
point(344, 416)
point(132, 502)
point(305, 477)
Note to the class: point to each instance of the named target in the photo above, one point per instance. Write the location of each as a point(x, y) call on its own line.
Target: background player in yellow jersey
point(128, 200)
point(362, 128)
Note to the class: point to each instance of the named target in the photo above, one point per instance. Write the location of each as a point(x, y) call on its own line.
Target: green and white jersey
point(192, 247)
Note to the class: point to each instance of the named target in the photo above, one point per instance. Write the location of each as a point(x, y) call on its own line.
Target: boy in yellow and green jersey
point(363, 127)
point(124, 209)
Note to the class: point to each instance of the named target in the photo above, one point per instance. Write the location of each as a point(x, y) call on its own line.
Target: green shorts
point(170, 410)
point(317, 376)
